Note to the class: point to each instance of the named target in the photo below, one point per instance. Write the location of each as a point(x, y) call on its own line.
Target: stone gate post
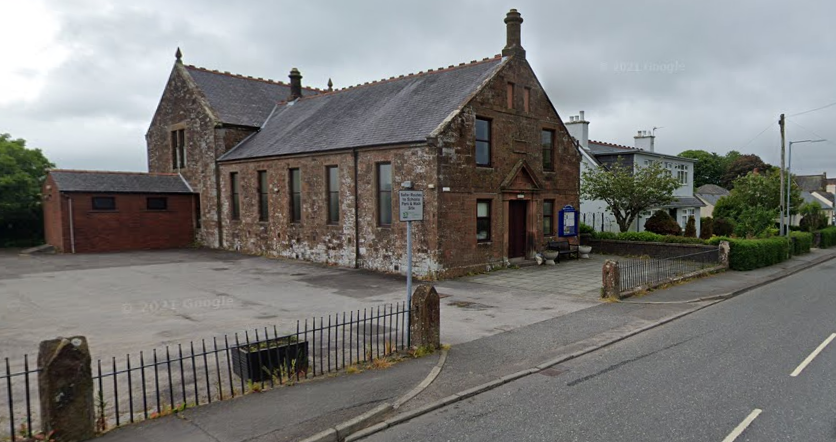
point(65, 386)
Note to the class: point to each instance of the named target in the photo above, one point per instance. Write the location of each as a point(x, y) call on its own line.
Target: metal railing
point(146, 385)
point(645, 272)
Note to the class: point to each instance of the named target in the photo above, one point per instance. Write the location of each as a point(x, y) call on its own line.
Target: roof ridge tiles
point(246, 77)
point(326, 92)
point(114, 172)
point(620, 146)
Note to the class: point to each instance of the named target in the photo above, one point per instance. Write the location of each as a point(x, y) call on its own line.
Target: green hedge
point(750, 254)
point(648, 237)
point(828, 237)
point(802, 242)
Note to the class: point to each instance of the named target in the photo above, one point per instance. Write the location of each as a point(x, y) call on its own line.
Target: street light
point(789, 178)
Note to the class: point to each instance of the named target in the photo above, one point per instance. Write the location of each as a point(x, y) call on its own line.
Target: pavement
point(469, 369)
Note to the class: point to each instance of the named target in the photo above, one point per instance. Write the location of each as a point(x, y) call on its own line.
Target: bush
point(749, 254)
point(586, 228)
point(662, 223)
point(723, 227)
point(604, 235)
point(639, 236)
point(682, 240)
point(801, 242)
point(691, 228)
point(828, 237)
point(706, 227)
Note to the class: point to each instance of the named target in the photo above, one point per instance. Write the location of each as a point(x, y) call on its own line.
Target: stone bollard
point(425, 318)
point(725, 248)
point(611, 280)
point(65, 384)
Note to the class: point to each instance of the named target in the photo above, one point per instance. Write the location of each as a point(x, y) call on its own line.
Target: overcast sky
point(81, 79)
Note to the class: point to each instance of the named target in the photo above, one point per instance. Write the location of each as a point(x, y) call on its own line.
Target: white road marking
point(743, 425)
point(812, 356)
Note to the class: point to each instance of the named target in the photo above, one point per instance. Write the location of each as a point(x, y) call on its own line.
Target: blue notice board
point(567, 221)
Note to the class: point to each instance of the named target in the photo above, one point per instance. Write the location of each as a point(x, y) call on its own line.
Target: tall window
point(178, 149)
point(483, 142)
point(384, 194)
point(483, 220)
point(527, 99)
point(295, 195)
point(233, 190)
point(548, 217)
point(333, 173)
point(547, 142)
point(682, 174)
point(509, 93)
point(263, 208)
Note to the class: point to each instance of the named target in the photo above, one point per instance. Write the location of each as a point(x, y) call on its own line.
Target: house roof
point(399, 110)
point(92, 181)
point(710, 193)
point(826, 195)
point(684, 201)
point(809, 198)
point(604, 148)
point(241, 100)
point(811, 183)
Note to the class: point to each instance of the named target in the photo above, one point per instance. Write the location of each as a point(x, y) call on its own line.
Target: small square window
point(156, 203)
point(104, 203)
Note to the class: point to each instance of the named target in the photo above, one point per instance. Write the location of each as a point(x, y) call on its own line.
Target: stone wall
point(640, 248)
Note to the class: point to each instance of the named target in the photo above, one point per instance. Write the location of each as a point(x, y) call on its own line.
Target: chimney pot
point(513, 44)
point(581, 115)
point(295, 84)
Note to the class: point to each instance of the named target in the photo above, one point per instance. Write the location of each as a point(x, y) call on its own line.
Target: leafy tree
point(742, 165)
point(22, 172)
point(691, 227)
point(709, 168)
point(629, 192)
point(662, 223)
point(723, 226)
point(754, 203)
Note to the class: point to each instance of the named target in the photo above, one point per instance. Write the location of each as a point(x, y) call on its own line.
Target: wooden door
point(516, 228)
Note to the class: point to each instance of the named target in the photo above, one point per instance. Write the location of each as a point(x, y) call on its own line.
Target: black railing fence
point(149, 384)
point(638, 272)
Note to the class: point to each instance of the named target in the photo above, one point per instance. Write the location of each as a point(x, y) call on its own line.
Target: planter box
point(255, 361)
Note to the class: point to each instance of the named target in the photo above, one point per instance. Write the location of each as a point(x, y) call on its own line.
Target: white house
point(598, 153)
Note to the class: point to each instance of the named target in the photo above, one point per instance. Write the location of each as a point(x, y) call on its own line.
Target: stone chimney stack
point(578, 128)
point(295, 85)
point(513, 25)
point(645, 140)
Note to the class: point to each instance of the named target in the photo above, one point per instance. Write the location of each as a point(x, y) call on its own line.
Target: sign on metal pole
point(411, 208)
point(411, 205)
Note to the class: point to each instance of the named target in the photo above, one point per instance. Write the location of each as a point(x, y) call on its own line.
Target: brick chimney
point(513, 45)
point(645, 140)
point(578, 128)
point(295, 85)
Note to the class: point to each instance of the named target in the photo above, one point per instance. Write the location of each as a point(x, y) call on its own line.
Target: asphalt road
point(720, 374)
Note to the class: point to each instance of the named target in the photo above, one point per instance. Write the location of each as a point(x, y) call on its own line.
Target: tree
point(813, 217)
point(709, 168)
point(662, 223)
point(706, 227)
point(740, 166)
point(754, 203)
point(628, 191)
point(22, 172)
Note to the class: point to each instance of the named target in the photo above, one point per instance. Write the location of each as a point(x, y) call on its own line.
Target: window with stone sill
point(483, 220)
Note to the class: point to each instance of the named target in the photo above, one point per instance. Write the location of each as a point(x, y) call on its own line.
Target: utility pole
point(781, 123)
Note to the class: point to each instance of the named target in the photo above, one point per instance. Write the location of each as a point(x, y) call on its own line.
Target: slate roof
point(395, 111)
point(826, 195)
point(811, 183)
point(118, 182)
point(809, 198)
point(685, 201)
point(711, 193)
point(240, 100)
point(603, 148)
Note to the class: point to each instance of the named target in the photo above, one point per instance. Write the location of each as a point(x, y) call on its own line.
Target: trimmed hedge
point(801, 242)
point(750, 254)
point(648, 237)
point(828, 237)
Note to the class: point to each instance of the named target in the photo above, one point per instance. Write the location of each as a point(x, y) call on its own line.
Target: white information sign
point(411, 207)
